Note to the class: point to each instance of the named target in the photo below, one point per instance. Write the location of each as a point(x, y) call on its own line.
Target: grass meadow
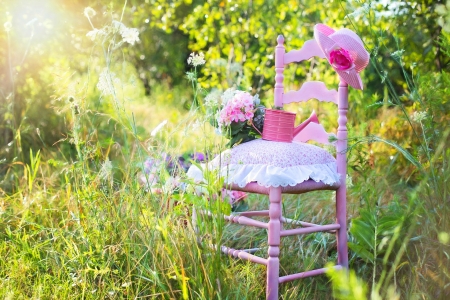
point(97, 111)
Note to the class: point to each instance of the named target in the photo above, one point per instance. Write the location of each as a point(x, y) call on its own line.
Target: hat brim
point(329, 39)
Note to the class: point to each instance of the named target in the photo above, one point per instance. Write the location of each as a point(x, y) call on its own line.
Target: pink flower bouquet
point(240, 116)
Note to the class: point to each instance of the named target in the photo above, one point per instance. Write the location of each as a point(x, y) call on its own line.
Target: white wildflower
point(106, 169)
point(196, 125)
point(212, 99)
point(130, 35)
point(89, 12)
point(196, 59)
point(93, 34)
point(106, 82)
point(348, 181)
point(419, 116)
point(158, 128)
point(360, 11)
point(398, 53)
point(7, 26)
point(256, 99)
point(126, 284)
point(191, 76)
point(235, 67)
point(227, 95)
point(119, 26)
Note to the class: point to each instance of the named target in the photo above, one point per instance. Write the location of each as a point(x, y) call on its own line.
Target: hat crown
point(329, 40)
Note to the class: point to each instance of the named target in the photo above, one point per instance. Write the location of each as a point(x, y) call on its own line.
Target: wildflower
point(196, 125)
point(106, 169)
point(360, 11)
point(212, 99)
point(190, 76)
point(233, 196)
point(7, 26)
point(235, 67)
point(397, 54)
point(419, 116)
point(158, 128)
point(196, 59)
point(93, 34)
point(130, 35)
point(227, 95)
point(348, 181)
point(89, 12)
point(119, 26)
point(106, 82)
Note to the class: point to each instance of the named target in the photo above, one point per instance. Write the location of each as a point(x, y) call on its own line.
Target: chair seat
point(293, 166)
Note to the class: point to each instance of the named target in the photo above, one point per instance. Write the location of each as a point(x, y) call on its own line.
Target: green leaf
point(402, 150)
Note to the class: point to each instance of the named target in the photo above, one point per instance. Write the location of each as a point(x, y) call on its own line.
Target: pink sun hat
point(345, 52)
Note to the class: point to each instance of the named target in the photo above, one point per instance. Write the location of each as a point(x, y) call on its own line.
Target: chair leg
point(273, 265)
point(341, 233)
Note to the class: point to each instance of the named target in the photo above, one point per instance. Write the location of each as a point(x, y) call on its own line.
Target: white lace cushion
point(275, 164)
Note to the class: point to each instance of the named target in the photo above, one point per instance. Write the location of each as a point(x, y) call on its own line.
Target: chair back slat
point(311, 90)
point(314, 132)
point(310, 48)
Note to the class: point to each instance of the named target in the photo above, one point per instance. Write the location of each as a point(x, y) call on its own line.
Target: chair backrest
point(309, 90)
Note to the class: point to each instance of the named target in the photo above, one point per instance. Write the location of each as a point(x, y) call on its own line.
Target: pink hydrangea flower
point(233, 196)
point(341, 59)
point(237, 109)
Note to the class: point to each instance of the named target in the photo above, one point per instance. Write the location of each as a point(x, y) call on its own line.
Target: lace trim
point(267, 175)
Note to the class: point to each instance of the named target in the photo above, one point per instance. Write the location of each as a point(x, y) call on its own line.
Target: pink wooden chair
point(276, 168)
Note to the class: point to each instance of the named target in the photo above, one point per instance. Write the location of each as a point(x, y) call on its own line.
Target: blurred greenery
point(71, 152)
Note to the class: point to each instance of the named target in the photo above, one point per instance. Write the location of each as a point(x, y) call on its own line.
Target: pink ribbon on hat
point(345, 52)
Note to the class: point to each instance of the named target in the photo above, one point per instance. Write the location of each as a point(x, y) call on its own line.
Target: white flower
point(361, 10)
point(89, 12)
point(158, 128)
point(348, 181)
point(256, 99)
point(212, 99)
point(106, 82)
point(196, 125)
point(118, 25)
point(93, 34)
point(398, 53)
point(419, 116)
point(106, 169)
point(130, 35)
point(7, 26)
point(228, 95)
point(235, 67)
point(196, 59)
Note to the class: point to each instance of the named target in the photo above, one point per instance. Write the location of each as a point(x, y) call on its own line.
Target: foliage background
point(58, 132)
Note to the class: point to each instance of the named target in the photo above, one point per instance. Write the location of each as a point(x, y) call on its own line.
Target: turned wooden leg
point(273, 265)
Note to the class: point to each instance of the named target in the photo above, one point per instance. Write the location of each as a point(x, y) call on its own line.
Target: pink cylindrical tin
point(278, 125)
